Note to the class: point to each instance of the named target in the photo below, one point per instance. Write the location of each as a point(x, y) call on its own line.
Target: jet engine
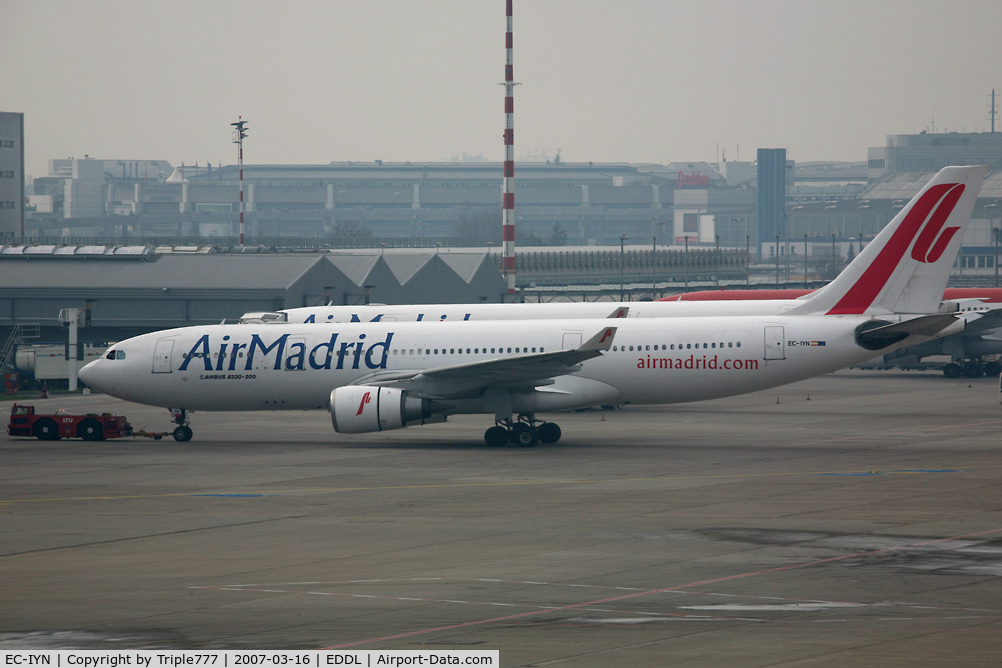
point(358, 409)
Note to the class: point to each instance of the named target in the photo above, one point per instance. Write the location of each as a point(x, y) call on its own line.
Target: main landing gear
point(973, 368)
point(182, 433)
point(525, 432)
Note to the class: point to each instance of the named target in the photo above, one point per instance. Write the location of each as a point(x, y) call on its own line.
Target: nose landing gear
point(182, 433)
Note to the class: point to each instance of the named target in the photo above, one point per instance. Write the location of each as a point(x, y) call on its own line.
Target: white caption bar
point(244, 659)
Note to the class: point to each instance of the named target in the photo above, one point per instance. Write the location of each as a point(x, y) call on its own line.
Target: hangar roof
point(215, 272)
point(906, 185)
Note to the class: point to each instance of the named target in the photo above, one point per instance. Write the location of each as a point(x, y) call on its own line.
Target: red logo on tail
point(925, 220)
point(929, 247)
point(366, 398)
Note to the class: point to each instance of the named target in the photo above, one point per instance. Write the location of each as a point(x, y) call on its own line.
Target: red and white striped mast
point(238, 139)
point(508, 199)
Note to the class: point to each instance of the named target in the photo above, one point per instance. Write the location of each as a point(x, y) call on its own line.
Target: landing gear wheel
point(993, 368)
point(952, 370)
point(973, 370)
point(496, 437)
point(523, 435)
point(90, 430)
point(45, 430)
point(183, 433)
point(549, 432)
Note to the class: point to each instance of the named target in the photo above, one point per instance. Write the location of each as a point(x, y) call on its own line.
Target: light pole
point(687, 263)
point(777, 260)
point(622, 265)
point(654, 259)
point(834, 265)
point(238, 138)
point(747, 261)
point(995, 234)
point(741, 219)
point(805, 261)
point(716, 263)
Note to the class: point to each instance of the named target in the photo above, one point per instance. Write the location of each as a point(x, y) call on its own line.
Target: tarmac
point(850, 520)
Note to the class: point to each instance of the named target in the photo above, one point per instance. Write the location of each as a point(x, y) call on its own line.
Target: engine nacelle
point(358, 409)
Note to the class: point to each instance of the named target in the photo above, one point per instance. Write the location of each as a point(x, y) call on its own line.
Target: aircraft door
point(161, 356)
point(572, 340)
point(774, 349)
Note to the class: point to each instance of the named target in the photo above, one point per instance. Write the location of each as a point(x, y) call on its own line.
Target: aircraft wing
point(988, 320)
point(527, 370)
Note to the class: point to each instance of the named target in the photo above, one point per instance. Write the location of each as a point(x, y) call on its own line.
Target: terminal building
point(353, 204)
point(11, 176)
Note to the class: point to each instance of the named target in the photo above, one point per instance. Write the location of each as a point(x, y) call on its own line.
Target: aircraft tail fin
point(905, 268)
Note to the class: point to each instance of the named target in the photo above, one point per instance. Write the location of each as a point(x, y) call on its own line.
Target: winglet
point(905, 268)
point(601, 341)
point(621, 312)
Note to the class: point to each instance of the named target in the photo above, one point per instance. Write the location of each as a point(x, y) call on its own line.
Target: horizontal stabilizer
point(875, 335)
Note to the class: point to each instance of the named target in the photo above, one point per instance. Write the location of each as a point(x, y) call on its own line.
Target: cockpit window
point(115, 355)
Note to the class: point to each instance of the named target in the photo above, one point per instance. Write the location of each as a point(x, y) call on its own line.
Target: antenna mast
point(508, 199)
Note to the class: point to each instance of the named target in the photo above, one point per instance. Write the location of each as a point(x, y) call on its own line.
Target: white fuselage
point(532, 311)
point(295, 366)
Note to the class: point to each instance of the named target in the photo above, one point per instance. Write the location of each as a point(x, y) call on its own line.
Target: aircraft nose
point(88, 374)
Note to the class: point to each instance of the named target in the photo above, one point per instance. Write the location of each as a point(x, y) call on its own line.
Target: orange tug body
point(24, 421)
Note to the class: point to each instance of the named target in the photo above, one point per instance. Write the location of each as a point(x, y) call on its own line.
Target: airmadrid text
point(377, 318)
point(697, 363)
point(285, 353)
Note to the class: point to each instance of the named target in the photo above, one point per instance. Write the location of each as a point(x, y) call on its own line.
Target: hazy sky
point(608, 81)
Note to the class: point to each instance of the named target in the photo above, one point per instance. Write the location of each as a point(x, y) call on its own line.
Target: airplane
point(377, 376)
point(984, 295)
point(707, 302)
point(966, 349)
